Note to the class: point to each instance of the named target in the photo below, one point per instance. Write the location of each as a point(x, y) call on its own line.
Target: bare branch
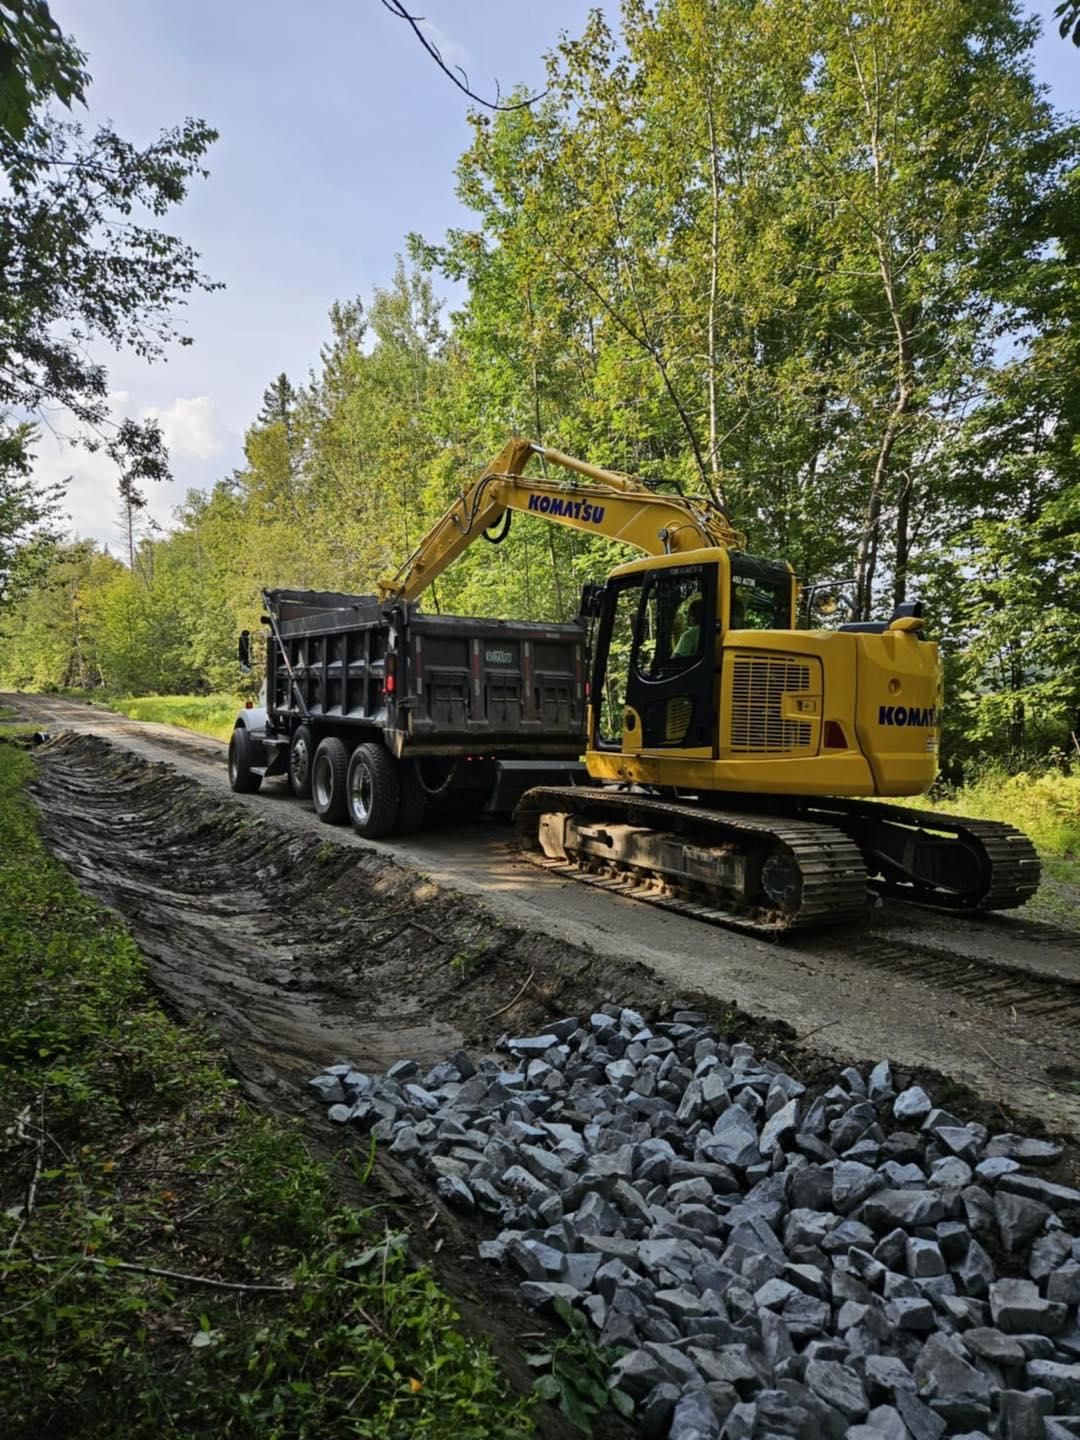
point(460, 79)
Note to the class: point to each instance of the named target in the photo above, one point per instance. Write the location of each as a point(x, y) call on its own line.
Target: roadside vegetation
point(208, 714)
point(171, 1261)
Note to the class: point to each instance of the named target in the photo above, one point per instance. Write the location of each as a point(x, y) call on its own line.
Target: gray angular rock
point(1063, 1286)
point(1019, 1309)
point(734, 1140)
point(924, 1258)
point(838, 1386)
point(403, 1070)
point(541, 1294)
point(942, 1374)
point(1048, 1252)
point(1063, 1382)
point(653, 1414)
point(455, 1192)
point(975, 1272)
point(988, 1344)
point(852, 1182)
point(532, 1044)
point(885, 1375)
point(950, 1173)
point(919, 1418)
point(1024, 1148)
point(740, 1422)
point(675, 1365)
point(1019, 1220)
point(910, 1312)
point(638, 1372)
point(806, 1316)
point(730, 1364)
point(1032, 1187)
point(329, 1089)
point(912, 1104)
point(993, 1168)
point(1021, 1414)
point(779, 1127)
point(888, 1209)
point(882, 1423)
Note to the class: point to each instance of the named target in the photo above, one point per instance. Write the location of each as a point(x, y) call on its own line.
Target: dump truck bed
point(431, 684)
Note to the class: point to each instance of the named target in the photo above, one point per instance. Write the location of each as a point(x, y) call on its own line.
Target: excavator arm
point(598, 501)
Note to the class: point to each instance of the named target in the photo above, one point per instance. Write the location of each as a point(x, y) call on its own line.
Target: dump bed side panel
point(433, 684)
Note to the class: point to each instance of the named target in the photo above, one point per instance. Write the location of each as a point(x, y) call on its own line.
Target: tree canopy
point(817, 260)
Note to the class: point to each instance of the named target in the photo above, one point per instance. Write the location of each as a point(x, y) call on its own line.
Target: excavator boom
point(601, 502)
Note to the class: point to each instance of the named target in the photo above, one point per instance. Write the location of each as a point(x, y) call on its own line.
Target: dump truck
point(378, 712)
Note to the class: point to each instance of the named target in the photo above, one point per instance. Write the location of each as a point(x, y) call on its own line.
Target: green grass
point(125, 1147)
point(213, 715)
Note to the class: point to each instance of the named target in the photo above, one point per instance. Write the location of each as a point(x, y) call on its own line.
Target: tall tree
point(77, 270)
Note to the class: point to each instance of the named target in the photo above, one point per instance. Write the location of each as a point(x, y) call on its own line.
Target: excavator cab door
point(671, 686)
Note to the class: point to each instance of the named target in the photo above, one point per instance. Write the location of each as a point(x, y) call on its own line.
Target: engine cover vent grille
point(758, 686)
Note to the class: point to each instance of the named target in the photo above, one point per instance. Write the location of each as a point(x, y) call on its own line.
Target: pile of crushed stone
point(858, 1263)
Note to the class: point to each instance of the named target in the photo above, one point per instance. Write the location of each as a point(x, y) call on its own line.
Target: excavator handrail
point(652, 521)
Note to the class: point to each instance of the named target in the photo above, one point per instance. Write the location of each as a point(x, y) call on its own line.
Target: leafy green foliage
point(37, 63)
point(575, 1373)
point(126, 1150)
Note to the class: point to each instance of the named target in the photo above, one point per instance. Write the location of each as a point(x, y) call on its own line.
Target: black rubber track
point(833, 874)
point(1010, 869)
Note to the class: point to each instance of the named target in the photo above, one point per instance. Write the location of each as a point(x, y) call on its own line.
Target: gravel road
point(993, 1003)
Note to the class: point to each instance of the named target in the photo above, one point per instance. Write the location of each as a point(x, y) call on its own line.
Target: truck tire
point(328, 772)
point(241, 752)
point(301, 754)
point(412, 801)
point(372, 790)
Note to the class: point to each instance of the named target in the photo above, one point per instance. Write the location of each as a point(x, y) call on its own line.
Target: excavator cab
point(658, 656)
point(702, 682)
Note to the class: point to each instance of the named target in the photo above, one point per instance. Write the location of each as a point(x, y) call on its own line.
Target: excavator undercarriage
point(773, 873)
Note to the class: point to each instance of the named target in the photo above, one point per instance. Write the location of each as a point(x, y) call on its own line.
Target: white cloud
point(189, 427)
point(91, 500)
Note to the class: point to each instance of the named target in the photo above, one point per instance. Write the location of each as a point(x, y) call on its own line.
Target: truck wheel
point(241, 776)
point(301, 754)
point(328, 773)
point(372, 789)
point(412, 801)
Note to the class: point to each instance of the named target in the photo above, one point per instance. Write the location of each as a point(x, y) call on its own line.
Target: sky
point(338, 136)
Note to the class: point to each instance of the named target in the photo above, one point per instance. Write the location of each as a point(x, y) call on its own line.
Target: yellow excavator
point(739, 765)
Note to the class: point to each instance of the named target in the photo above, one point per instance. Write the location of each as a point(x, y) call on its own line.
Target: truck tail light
point(390, 679)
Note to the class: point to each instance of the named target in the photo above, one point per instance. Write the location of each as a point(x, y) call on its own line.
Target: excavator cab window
point(760, 594)
point(673, 674)
point(614, 650)
point(672, 637)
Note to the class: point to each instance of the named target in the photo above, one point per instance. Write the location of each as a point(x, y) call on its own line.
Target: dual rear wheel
point(378, 794)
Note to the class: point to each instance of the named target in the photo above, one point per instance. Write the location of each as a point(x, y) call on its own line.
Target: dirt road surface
point(992, 1003)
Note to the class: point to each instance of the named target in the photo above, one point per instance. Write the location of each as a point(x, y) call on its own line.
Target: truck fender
point(254, 722)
